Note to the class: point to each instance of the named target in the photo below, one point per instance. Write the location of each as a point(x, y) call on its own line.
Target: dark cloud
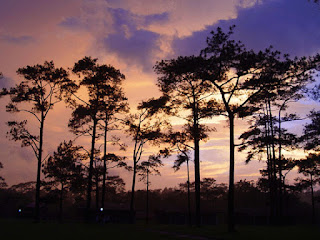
point(124, 17)
point(136, 49)
point(291, 26)
point(156, 18)
point(73, 23)
point(131, 43)
point(129, 39)
point(191, 45)
point(17, 40)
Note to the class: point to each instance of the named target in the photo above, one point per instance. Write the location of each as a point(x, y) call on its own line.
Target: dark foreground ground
point(14, 229)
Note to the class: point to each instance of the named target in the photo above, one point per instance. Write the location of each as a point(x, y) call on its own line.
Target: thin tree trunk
point(285, 195)
point(231, 217)
point(280, 170)
point(147, 207)
point(97, 190)
point(269, 165)
point(89, 189)
point(196, 163)
point(197, 183)
point(274, 185)
point(104, 164)
point(188, 185)
point(38, 184)
point(273, 166)
point(135, 161)
point(312, 201)
point(61, 203)
point(132, 190)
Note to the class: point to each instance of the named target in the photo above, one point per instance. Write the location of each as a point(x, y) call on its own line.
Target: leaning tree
point(42, 87)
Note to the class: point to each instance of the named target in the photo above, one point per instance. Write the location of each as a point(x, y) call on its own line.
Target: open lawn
point(15, 229)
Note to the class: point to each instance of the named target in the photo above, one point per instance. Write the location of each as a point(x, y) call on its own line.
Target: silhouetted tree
point(261, 144)
point(115, 184)
point(311, 135)
point(310, 167)
point(183, 157)
point(3, 183)
point(43, 86)
point(112, 161)
point(145, 169)
point(99, 81)
point(115, 189)
point(179, 143)
point(212, 190)
point(24, 187)
point(64, 168)
point(114, 103)
point(97, 174)
point(185, 93)
point(244, 79)
point(144, 127)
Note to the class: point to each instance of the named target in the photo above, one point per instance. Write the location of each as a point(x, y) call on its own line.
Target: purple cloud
point(72, 23)
point(137, 49)
point(6, 82)
point(291, 26)
point(191, 45)
point(128, 40)
point(17, 40)
point(156, 18)
point(134, 45)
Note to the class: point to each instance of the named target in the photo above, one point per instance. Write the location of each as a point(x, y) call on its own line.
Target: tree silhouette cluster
point(225, 79)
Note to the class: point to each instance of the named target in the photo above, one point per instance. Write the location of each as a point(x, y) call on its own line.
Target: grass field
point(15, 229)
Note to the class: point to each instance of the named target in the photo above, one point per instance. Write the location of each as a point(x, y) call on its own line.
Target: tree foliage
point(64, 169)
point(188, 97)
point(149, 167)
point(311, 135)
point(104, 99)
point(246, 80)
point(144, 127)
point(3, 183)
point(43, 86)
point(310, 168)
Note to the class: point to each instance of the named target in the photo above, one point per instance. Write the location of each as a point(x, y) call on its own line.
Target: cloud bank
point(289, 26)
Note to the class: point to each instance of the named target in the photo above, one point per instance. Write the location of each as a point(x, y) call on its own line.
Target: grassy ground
point(28, 230)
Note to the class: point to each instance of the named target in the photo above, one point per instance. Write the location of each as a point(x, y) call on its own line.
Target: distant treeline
point(252, 201)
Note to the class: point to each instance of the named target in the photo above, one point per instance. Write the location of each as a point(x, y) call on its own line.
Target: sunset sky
point(132, 35)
